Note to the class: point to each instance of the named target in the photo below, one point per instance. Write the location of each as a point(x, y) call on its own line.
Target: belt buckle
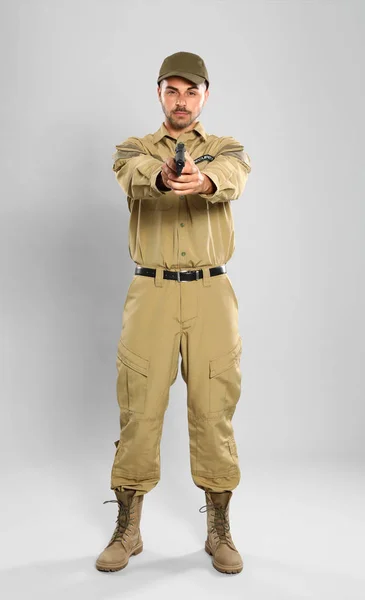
point(181, 271)
point(196, 271)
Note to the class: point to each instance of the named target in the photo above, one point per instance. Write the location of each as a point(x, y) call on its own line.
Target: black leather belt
point(184, 275)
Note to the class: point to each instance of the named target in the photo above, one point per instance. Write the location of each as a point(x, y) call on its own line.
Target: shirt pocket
point(163, 202)
point(225, 379)
point(132, 379)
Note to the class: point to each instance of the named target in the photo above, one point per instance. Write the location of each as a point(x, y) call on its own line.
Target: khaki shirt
point(187, 231)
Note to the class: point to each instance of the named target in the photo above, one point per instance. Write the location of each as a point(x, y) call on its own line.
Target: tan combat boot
point(126, 539)
point(219, 543)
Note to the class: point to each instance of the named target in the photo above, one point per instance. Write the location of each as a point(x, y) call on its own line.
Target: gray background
point(287, 81)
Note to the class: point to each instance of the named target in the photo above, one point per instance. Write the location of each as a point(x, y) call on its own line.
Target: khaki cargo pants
point(161, 320)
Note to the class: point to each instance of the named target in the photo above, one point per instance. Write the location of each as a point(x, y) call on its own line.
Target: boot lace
point(122, 522)
point(220, 522)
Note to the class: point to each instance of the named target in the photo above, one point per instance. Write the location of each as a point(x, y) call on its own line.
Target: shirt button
point(182, 224)
point(182, 197)
point(183, 253)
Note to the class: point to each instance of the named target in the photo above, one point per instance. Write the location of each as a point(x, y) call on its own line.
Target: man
point(180, 301)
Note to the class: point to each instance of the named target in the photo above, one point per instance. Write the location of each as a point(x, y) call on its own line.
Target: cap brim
point(190, 76)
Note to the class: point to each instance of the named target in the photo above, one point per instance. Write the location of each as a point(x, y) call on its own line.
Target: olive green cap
point(184, 64)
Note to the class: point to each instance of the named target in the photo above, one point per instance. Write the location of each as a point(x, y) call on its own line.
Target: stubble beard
point(180, 124)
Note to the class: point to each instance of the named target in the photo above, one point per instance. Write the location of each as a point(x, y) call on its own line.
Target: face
point(182, 101)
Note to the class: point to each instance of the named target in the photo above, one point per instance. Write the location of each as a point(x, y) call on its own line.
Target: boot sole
point(218, 566)
point(120, 566)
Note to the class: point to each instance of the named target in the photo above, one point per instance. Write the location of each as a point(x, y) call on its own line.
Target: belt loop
point(206, 277)
point(159, 277)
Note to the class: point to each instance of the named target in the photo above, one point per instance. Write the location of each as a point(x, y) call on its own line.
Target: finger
point(189, 159)
point(168, 171)
point(190, 166)
point(175, 185)
point(170, 162)
point(186, 192)
point(187, 178)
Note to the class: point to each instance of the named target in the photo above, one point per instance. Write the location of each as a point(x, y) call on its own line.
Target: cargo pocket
point(131, 380)
point(232, 447)
point(225, 379)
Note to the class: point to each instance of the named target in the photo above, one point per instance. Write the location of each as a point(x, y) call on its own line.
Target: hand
point(191, 180)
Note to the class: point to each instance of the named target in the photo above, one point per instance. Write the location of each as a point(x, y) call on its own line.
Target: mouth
point(180, 112)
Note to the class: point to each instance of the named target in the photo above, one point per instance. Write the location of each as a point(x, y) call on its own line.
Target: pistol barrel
point(180, 158)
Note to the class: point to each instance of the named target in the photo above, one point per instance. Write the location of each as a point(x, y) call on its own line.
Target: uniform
point(179, 302)
point(165, 318)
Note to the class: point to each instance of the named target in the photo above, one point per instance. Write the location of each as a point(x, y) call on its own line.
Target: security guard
point(180, 301)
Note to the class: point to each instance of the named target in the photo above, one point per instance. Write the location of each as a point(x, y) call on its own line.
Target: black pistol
point(179, 158)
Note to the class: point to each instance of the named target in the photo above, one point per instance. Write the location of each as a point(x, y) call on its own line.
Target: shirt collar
point(163, 132)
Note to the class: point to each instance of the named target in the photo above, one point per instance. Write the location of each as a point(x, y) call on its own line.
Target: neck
point(176, 132)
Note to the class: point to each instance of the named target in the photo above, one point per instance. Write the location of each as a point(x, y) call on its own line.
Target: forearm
point(229, 176)
point(137, 176)
point(136, 171)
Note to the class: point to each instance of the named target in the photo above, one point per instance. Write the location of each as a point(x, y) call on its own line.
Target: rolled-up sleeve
point(136, 170)
point(229, 171)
